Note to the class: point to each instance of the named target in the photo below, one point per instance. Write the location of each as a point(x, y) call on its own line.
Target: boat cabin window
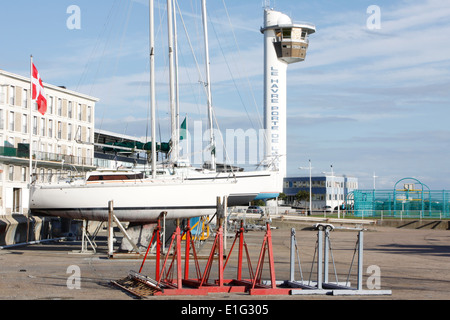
point(116, 177)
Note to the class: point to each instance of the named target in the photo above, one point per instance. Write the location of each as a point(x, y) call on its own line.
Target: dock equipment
point(323, 285)
point(174, 286)
point(170, 280)
point(258, 288)
point(242, 245)
point(217, 250)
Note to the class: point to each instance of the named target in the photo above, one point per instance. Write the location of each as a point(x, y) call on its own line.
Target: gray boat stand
point(322, 286)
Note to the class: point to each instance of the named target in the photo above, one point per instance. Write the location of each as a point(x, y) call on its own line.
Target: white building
point(328, 190)
point(62, 139)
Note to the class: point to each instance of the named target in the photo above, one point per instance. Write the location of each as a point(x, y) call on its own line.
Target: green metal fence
point(410, 198)
point(400, 203)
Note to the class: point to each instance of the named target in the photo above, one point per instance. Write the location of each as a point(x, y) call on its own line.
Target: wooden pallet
point(137, 285)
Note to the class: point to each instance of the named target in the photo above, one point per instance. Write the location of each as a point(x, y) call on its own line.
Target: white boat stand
point(322, 286)
point(88, 239)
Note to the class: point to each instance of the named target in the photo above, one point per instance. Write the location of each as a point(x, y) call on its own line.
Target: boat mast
point(152, 85)
point(177, 87)
point(172, 98)
point(208, 87)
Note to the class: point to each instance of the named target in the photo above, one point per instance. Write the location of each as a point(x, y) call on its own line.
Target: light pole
point(374, 179)
point(332, 191)
point(310, 185)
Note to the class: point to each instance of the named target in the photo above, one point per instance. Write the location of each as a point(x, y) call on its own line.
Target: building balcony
point(20, 156)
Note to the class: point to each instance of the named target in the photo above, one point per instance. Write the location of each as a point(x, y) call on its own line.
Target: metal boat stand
point(217, 250)
point(87, 239)
point(111, 220)
point(171, 286)
point(242, 245)
point(323, 286)
point(271, 288)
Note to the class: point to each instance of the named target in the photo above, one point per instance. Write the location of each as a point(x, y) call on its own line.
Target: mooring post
point(326, 255)
point(292, 261)
point(319, 258)
point(360, 258)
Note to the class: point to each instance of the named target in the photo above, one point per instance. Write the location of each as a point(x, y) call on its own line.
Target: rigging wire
point(232, 77)
point(257, 108)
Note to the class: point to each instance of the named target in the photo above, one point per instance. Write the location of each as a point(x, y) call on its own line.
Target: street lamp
point(310, 185)
point(374, 177)
point(332, 191)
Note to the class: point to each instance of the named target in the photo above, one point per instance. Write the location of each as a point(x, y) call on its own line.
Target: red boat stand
point(261, 289)
point(175, 287)
point(219, 285)
point(157, 235)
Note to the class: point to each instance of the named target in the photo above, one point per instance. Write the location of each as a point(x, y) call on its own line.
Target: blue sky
point(364, 101)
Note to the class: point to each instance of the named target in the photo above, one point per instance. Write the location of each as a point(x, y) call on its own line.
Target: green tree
point(282, 196)
point(302, 195)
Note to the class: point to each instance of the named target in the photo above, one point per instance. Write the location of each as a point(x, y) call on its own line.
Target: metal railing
point(47, 156)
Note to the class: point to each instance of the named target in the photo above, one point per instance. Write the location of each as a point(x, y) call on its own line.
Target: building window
point(70, 110)
point(43, 127)
point(50, 128)
point(25, 98)
point(24, 174)
point(78, 138)
point(69, 132)
point(50, 175)
point(12, 95)
point(59, 107)
point(11, 173)
point(24, 123)
point(59, 130)
point(35, 124)
point(89, 113)
point(79, 111)
point(2, 94)
point(17, 193)
point(50, 105)
point(2, 126)
point(11, 121)
point(42, 175)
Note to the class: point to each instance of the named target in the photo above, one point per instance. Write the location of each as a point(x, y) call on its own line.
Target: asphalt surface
point(413, 264)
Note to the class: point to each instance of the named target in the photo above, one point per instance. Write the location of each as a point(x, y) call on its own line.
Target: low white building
point(328, 191)
point(62, 139)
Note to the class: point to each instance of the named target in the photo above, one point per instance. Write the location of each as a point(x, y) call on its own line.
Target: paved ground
point(414, 264)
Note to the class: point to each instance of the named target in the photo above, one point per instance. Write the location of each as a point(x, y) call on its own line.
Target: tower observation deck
point(285, 43)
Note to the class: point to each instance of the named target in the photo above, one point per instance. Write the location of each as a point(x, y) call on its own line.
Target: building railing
point(46, 156)
point(400, 214)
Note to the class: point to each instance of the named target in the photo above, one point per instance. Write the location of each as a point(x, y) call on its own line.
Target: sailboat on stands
point(187, 192)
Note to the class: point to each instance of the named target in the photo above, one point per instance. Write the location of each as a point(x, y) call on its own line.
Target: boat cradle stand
point(322, 286)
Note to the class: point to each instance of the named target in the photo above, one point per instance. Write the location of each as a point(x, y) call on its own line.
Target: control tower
point(284, 43)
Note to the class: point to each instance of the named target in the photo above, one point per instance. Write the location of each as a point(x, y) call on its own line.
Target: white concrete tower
point(284, 43)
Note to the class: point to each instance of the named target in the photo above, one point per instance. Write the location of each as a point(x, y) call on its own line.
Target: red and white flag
point(38, 93)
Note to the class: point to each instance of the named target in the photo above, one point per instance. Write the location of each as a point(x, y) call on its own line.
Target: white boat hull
point(145, 200)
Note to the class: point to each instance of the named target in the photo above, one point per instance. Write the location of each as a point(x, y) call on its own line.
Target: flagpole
point(30, 156)
point(30, 123)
